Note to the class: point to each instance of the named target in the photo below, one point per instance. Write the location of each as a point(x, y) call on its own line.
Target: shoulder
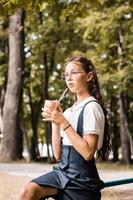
point(94, 108)
point(93, 105)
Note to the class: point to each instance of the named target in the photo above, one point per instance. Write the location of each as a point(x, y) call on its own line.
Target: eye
point(74, 72)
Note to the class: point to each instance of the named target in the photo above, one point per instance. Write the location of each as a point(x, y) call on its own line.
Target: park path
point(36, 169)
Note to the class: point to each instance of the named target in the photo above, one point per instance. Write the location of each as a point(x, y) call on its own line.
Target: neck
point(82, 97)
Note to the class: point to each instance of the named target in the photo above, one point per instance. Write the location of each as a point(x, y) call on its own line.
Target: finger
point(48, 119)
point(46, 112)
point(58, 105)
point(46, 109)
point(46, 116)
point(57, 102)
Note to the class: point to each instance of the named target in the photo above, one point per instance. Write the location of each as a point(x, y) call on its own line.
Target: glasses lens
point(63, 77)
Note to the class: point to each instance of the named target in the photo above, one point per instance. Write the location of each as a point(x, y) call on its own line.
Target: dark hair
point(94, 90)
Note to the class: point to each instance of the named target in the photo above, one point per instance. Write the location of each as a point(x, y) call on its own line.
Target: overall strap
point(80, 119)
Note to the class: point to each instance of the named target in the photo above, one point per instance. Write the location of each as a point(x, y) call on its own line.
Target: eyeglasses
point(73, 74)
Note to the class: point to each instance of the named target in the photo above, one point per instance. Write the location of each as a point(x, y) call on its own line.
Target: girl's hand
point(53, 115)
point(58, 118)
point(48, 107)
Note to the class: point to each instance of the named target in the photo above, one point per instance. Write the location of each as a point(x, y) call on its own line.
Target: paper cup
point(51, 104)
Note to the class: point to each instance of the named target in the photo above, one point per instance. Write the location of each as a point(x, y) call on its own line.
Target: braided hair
point(94, 90)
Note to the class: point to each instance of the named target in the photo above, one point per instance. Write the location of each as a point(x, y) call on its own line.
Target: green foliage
point(51, 33)
point(101, 34)
point(11, 6)
point(59, 29)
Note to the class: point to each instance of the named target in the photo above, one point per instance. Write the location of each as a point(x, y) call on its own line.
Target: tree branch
point(3, 3)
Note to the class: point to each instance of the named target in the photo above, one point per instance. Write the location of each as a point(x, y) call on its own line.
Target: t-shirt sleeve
point(93, 119)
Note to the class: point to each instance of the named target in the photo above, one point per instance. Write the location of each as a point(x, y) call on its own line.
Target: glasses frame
point(72, 73)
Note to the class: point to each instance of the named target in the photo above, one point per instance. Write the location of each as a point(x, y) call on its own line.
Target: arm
point(56, 141)
point(86, 146)
point(93, 129)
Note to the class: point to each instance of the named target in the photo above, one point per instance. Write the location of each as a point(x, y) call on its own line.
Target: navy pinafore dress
point(75, 178)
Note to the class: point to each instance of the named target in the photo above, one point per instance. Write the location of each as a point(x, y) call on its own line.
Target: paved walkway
point(36, 169)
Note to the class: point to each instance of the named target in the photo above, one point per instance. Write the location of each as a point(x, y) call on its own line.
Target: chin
point(72, 90)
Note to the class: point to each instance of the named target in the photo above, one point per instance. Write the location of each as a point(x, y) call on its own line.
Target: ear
point(89, 76)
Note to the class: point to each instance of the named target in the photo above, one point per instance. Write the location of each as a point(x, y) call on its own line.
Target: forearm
point(86, 149)
point(56, 141)
point(80, 144)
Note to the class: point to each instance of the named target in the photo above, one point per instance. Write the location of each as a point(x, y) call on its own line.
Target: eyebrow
point(76, 70)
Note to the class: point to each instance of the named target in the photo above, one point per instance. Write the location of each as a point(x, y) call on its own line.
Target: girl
point(76, 135)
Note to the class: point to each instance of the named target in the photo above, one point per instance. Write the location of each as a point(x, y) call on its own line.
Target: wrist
point(69, 125)
point(65, 124)
point(55, 127)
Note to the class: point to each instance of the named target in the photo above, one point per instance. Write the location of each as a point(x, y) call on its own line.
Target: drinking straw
point(63, 94)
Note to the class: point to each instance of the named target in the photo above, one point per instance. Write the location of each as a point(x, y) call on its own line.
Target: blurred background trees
point(36, 37)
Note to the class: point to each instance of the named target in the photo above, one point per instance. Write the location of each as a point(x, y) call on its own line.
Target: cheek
point(81, 84)
point(82, 81)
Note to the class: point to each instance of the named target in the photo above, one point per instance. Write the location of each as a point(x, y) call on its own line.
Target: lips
point(70, 84)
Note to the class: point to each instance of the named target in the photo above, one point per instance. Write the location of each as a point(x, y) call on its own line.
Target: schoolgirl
point(77, 134)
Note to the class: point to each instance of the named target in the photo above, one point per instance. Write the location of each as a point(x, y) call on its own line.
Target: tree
point(111, 47)
point(97, 29)
point(3, 63)
point(12, 135)
point(51, 33)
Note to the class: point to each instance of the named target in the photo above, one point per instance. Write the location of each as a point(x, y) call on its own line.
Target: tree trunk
point(115, 144)
point(34, 122)
point(4, 49)
point(2, 97)
point(124, 129)
point(125, 141)
point(46, 96)
point(48, 130)
point(11, 131)
point(115, 129)
point(26, 145)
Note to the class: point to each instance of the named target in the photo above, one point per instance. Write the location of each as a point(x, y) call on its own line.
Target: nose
point(69, 76)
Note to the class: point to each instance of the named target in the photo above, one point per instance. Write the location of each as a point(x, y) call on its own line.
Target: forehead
point(73, 66)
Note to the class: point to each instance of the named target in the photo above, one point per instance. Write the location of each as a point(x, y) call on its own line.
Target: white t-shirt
point(93, 120)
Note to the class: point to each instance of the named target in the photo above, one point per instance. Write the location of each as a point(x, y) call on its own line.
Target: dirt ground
point(11, 185)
